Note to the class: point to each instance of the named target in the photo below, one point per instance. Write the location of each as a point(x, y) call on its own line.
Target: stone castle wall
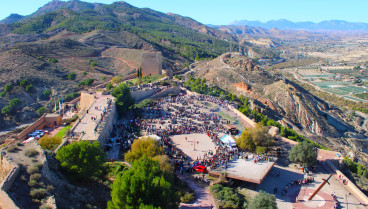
point(7, 164)
point(166, 92)
point(143, 94)
point(108, 124)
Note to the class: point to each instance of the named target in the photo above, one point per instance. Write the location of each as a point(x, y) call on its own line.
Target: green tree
point(252, 138)
point(14, 103)
point(263, 200)
point(24, 83)
point(103, 78)
point(41, 111)
point(303, 153)
point(144, 146)
point(143, 185)
point(72, 76)
point(82, 159)
point(124, 100)
point(109, 86)
point(7, 110)
point(8, 88)
point(48, 142)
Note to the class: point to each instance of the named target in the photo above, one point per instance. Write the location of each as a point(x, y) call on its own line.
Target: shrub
point(74, 118)
point(29, 88)
point(31, 152)
point(37, 193)
point(8, 88)
point(53, 60)
point(33, 169)
point(103, 78)
point(32, 183)
point(84, 73)
point(87, 82)
point(72, 76)
point(15, 102)
point(12, 148)
point(263, 200)
point(24, 83)
point(35, 176)
point(109, 87)
point(46, 94)
point(41, 111)
point(227, 197)
point(7, 110)
point(187, 198)
point(93, 64)
point(48, 142)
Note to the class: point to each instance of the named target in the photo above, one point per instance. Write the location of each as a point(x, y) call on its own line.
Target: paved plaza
point(89, 122)
point(195, 146)
point(322, 200)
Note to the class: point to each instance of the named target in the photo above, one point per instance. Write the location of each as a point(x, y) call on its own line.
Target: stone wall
point(143, 94)
point(40, 124)
point(241, 115)
point(108, 124)
point(167, 92)
point(5, 201)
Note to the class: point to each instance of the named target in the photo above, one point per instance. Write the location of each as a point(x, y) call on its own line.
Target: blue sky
point(220, 12)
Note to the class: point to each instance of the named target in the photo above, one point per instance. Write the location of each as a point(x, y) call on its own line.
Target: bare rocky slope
point(281, 100)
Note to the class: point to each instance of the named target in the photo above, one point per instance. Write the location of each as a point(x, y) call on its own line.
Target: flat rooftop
point(246, 170)
point(240, 169)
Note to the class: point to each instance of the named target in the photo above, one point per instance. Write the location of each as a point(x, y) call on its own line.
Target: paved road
point(203, 197)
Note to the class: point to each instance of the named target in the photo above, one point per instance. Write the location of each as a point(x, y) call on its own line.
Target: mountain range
point(283, 24)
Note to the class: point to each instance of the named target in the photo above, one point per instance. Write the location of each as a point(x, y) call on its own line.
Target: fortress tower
point(151, 63)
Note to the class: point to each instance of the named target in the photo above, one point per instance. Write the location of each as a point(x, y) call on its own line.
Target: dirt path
point(203, 197)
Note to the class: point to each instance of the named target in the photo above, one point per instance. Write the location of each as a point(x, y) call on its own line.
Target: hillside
point(281, 100)
point(329, 25)
point(63, 38)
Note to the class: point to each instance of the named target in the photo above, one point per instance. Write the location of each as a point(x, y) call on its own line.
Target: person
point(211, 206)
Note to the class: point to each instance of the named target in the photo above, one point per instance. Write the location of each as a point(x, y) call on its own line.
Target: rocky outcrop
point(278, 99)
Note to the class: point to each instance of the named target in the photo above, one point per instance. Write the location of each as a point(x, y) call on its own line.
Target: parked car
point(200, 168)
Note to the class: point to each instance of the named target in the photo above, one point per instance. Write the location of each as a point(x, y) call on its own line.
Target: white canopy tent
point(228, 140)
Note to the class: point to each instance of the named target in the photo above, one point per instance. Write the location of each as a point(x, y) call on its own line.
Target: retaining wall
point(167, 92)
point(108, 124)
point(238, 113)
point(143, 94)
point(5, 201)
point(39, 124)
